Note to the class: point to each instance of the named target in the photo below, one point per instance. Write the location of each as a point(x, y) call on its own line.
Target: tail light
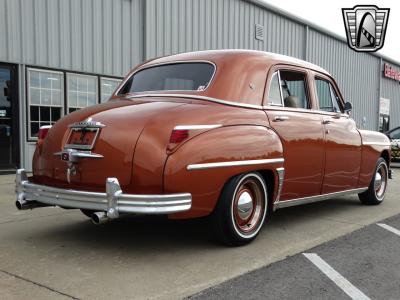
point(182, 132)
point(43, 131)
point(178, 136)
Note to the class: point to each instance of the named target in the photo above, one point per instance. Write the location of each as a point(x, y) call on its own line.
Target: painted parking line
point(339, 280)
point(390, 228)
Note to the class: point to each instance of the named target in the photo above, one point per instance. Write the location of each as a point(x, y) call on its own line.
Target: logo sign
point(391, 73)
point(365, 27)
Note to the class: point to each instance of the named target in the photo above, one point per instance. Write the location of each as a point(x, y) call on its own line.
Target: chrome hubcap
point(249, 206)
point(245, 205)
point(380, 181)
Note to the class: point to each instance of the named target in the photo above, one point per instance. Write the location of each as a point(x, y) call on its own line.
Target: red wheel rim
point(248, 206)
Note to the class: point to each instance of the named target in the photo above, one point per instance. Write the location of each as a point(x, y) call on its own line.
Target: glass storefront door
point(9, 154)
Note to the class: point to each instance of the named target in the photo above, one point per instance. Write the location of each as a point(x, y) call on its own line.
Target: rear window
point(172, 77)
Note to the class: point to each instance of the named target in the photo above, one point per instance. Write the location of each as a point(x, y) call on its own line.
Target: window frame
point(28, 137)
point(29, 102)
point(306, 87)
point(307, 81)
point(97, 95)
point(332, 92)
point(110, 79)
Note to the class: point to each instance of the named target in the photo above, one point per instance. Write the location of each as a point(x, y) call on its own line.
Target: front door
point(342, 140)
point(9, 141)
point(301, 133)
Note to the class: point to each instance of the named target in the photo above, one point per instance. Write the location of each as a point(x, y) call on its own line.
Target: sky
point(328, 14)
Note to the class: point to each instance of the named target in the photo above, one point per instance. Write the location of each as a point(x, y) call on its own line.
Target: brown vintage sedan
point(230, 134)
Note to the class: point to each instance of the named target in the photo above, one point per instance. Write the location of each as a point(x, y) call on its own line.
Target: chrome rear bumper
point(112, 202)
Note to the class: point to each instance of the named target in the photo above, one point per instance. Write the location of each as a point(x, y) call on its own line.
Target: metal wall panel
point(174, 26)
point(390, 89)
point(95, 36)
point(357, 75)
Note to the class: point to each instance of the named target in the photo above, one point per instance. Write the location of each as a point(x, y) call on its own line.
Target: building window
point(107, 87)
point(81, 91)
point(45, 98)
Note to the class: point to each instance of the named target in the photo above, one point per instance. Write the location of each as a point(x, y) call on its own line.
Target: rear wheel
point(241, 209)
point(377, 188)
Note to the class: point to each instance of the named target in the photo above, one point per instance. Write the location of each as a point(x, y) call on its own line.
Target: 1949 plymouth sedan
point(232, 134)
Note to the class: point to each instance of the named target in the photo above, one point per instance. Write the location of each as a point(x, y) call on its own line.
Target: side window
point(324, 95)
point(274, 94)
point(335, 100)
point(294, 89)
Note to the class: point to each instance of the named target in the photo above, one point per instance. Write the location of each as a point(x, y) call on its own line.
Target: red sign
point(389, 72)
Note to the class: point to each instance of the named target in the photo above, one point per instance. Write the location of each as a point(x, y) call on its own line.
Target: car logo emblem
point(365, 27)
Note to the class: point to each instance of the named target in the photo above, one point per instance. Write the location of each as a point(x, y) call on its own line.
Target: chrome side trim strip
point(215, 100)
point(196, 127)
point(234, 163)
point(376, 144)
point(305, 200)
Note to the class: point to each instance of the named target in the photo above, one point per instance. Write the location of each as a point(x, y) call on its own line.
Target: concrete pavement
point(54, 253)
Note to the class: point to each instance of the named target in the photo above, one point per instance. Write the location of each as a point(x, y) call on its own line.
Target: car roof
point(216, 55)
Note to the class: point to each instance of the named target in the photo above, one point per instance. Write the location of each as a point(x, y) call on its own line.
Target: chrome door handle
point(281, 118)
point(327, 121)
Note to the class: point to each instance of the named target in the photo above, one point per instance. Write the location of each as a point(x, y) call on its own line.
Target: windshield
point(194, 76)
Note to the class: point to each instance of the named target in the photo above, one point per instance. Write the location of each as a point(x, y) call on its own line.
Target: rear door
point(290, 112)
point(342, 139)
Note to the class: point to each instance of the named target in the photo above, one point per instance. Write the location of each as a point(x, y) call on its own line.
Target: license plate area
point(82, 138)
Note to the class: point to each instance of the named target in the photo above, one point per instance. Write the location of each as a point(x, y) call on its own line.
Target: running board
point(306, 200)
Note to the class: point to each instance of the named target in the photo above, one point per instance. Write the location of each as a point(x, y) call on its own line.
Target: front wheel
point(241, 209)
point(377, 188)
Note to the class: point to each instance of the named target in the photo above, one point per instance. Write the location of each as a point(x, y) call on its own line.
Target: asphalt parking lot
point(52, 253)
point(368, 259)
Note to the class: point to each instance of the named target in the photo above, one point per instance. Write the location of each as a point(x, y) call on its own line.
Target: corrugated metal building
point(57, 56)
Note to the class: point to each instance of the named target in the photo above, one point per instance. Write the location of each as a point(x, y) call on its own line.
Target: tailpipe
point(24, 205)
point(99, 218)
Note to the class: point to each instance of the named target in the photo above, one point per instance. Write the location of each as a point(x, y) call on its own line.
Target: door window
point(294, 91)
point(328, 100)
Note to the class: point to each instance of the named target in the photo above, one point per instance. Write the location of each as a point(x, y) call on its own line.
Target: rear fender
point(225, 144)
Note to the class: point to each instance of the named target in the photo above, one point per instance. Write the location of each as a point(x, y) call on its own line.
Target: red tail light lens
point(178, 135)
point(43, 131)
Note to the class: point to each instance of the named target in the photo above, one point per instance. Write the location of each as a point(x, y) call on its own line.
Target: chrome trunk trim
point(305, 200)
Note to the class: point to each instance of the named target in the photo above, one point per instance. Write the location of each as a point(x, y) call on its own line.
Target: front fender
point(373, 145)
point(225, 144)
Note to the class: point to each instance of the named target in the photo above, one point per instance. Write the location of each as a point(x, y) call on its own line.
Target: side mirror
point(348, 107)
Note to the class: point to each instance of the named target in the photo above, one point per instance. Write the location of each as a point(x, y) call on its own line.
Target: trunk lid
point(123, 120)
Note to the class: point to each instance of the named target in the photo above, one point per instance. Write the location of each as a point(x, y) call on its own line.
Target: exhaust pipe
point(24, 205)
point(99, 218)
